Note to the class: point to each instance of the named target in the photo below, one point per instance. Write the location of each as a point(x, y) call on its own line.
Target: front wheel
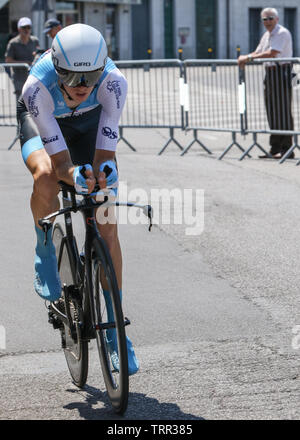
point(75, 349)
point(116, 380)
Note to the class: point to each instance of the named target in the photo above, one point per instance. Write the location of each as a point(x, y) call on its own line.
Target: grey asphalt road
point(215, 317)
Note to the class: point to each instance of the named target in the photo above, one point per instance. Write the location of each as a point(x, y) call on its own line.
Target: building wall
point(125, 25)
point(19, 8)
point(185, 19)
point(222, 30)
point(229, 35)
point(94, 15)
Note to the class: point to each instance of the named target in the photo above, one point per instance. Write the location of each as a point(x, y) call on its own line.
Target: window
point(255, 28)
point(140, 30)
point(169, 37)
point(111, 31)
point(4, 31)
point(206, 14)
point(68, 12)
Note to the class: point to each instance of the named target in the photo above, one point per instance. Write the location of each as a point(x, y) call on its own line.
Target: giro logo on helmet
point(82, 64)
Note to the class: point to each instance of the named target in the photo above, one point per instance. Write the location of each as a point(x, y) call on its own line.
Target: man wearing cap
point(51, 27)
point(21, 49)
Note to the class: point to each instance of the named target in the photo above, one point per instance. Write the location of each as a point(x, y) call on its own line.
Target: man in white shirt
point(276, 43)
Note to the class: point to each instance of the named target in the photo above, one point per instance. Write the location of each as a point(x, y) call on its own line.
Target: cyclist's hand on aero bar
point(84, 179)
point(108, 175)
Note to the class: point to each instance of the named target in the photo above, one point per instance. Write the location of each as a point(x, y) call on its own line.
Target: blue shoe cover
point(47, 282)
point(133, 363)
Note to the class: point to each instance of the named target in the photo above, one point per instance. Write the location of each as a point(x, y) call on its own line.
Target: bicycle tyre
point(117, 383)
point(75, 351)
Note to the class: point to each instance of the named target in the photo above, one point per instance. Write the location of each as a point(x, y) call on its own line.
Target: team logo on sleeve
point(32, 107)
point(108, 132)
point(114, 86)
point(49, 140)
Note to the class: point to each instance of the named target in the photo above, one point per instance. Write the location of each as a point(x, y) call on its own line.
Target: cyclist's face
point(79, 93)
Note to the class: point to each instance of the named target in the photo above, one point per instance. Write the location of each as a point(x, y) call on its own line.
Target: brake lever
point(148, 212)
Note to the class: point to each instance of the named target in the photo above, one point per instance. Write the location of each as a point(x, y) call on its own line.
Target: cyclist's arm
point(111, 95)
point(40, 105)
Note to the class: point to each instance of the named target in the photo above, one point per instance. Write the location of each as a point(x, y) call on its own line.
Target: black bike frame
point(87, 207)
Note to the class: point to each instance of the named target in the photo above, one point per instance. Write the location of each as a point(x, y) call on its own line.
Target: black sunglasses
point(26, 27)
point(75, 79)
point(268, 18)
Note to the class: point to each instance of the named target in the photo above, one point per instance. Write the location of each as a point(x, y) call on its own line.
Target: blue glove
point(109, 167)
point(79, 179)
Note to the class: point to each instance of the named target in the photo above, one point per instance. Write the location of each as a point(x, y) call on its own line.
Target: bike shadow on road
point(140, 407)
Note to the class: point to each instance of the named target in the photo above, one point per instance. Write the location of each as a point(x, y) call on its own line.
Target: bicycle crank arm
point(63, 318)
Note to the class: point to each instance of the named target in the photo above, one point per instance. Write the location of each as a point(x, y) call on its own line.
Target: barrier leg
point(286, 155)
point(234, 142)
point(195, 140)
point(255, 144)
point(15, 139)
point(121, 138)
point(169, 141)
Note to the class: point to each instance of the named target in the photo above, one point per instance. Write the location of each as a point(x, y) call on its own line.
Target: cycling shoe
point(133, 363)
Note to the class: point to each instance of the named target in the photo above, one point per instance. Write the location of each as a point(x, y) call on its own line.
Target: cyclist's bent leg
point(110, 234)
point(43, 201)
point(44, 198)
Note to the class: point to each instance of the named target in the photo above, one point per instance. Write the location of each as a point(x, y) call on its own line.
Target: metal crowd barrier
point(262, 98)
point(213, 99)
point(11, 77)
point(198, 95)
point(154, 96)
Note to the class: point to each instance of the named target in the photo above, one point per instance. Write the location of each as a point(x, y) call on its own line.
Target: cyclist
point(68, 117)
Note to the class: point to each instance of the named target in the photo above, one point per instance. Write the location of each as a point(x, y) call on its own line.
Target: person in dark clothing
point(21, 49)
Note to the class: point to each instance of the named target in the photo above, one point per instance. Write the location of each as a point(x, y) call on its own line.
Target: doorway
point(111, 31)
point(140, 30)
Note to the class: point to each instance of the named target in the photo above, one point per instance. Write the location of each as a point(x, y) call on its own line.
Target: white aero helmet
point(79, 54)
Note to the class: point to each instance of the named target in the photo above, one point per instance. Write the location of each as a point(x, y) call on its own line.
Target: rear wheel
point(75, 349)
point(116, 381)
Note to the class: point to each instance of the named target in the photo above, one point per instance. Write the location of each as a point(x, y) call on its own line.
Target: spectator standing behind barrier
point(21, 49)
point(276, 43)
point(51, 27)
